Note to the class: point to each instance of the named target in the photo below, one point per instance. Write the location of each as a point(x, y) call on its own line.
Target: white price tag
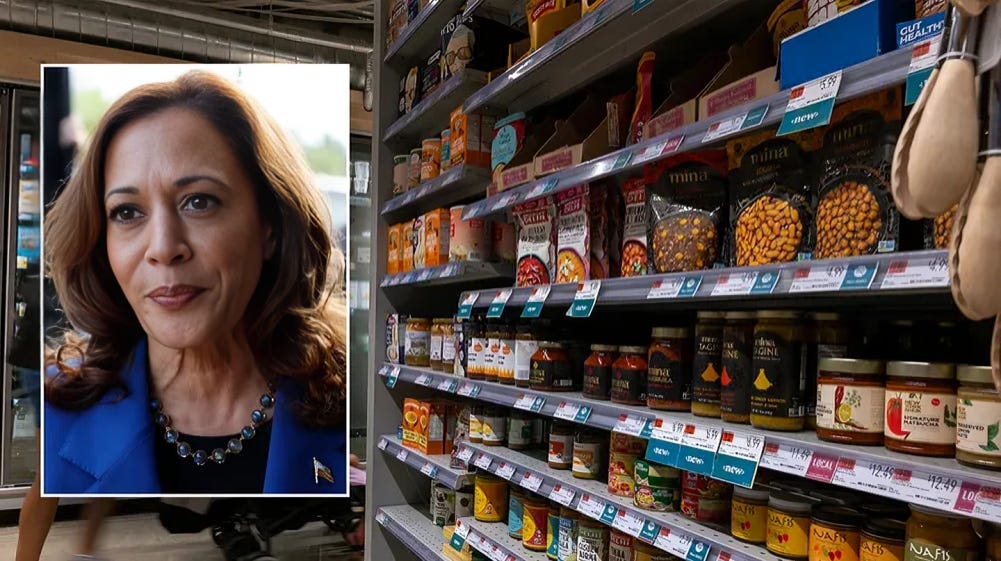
point(380, 517)
point(669, 431)
point(505, 470)
point(382, 444)
point(447, 385)
point(925, 54)
point(651, 152)
point(818, 279)
point(540, 293)
point(424, 380)
point(742, 445)
point(505, 201)
point(566, 411)
point(917, 273)
point(483, 461)
point(496, 308)
point(927, 488)
point(628, 522)
point(864, 475)
point(726, 127)
point(591, 506)
point(461, 529)
point(702, 438)
point(667, 288)
point(466, 389)
point(588, 290)
point(738, 284)
point(531, 481)
point(673, 542)
point(495, 553)
point(530, 403)
point(632, 425)
point(786, 458)
point(562, 495)
point(402, 455)
point(816, 91)
point(429, 470)
point(465, 454)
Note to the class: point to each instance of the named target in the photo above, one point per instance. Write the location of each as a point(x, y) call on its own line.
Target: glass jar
point(520, 430)
point(494, 423)
point(788, 530)
point(779, 384)
point(883, 540)
point(934, 535)
point(978, 411)
point(945, 343)
point(830, 337)
point(448, 354)
point(658, 487)
point(551, 369)
point(629, 376)
point(561, 445)
point(503, 354)
point(515, 512)
point(669, 370)
point(476, 415)
point(920, 408)
point(553, 531)
point(461, 366)
point(492, 335)
point(525, 345)
point(620, 546)
point(705, 499)
point(835, 530)
point(706, 365)
point(598, 372)
point(568, 534)
point(735, 378)
point(534, 523)
point(900, 345)
point(417, 342)
point(476, 348)
point(490, 500)
point(993, 547)
point(850, 400)
point(435, 350)
point(592, 540)
point(589, 453)
point(749, 514)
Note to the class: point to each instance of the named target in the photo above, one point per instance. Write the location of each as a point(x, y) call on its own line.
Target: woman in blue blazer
point(192, 249)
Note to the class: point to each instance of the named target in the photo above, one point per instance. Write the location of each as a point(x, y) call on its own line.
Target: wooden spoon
point(899, 184)
point(942, 154)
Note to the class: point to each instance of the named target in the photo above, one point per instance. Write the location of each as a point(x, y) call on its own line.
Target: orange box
point(393, 256)
point(411, 422)
point(436, 229)
point(407, 243)
point(470, 139)
point(431, 429)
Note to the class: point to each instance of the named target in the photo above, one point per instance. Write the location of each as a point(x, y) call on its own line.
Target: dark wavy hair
point(296, 318)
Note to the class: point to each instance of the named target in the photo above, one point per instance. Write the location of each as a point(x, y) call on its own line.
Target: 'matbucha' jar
point(779, 372)
point(920, 408)
point(598, 372)
point(629, 376)
point(850, 400)
point(735, 379)
point(669, 370)
point(552, 370)
point(706, 365)
point(978, 411)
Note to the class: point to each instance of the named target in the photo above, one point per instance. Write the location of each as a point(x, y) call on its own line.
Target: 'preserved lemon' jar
point(936, 536)
point(850, 400)
point(978, 416)
point(829, 340)
point(706, 364)
point(552, 370)
point(882, 540)
point(749, 514)
point(788, 530)
point(735, 379)
point(629, 373)
point(490, 500)
point(520, 430)
point(835, 530)
point(921, 408)
point(779, 372)
point(669, 370)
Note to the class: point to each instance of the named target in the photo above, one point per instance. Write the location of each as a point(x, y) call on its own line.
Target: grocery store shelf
point(492, 540)
point(869, 76)
point(420, 35)
point(913, 273)
point(940, 483)
point(431, 115)
point(670, 531)
point(451, 273)
point(452, 186)
point(414, 529)
point(436, 467)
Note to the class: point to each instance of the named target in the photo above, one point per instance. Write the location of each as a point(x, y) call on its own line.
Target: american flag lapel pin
point(320, 470)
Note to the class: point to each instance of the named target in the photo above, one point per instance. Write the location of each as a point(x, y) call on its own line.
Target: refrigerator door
point(21, 296)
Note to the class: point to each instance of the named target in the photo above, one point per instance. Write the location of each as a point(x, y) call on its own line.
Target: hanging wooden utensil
point(942, 153)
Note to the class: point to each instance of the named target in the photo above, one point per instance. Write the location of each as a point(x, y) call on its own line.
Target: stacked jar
point(707, 364)
point(624, 451)
point(669, 370)
point(779, 372)
point(589, 453)
point(736, 360)
point(658, 487)
point(921, 408)
point(705, 499)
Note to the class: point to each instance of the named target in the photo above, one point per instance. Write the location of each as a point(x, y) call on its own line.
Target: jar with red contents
point(669, 369)
point(598, 372)
point(629, 374)
point(704, 499)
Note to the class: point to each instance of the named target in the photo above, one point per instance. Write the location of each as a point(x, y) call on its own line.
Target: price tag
point(698, 449)
point(505, 201)
point(583, 301)
point(465, 454)
point(526, 402)
point(380, 517)
point(932, 489)
point(531, 481)
point(401, 455)
point(591, 506)
point(459, 536)
point(923, 58)
point(562, 495)
point(664, 446)
point(382, 444)
point(786, 458)
point(450, 270)
point(651, 152)
point(505, 470)
point(864, 475)
point(429, 470)
point(822, 467)
point(811, 104)
point(765, 283)
point(448, 385)
point(608, 515)
point(738, 457)
point(628, 522)
point(468, 390)
point(818, 279)
point(496, 308)
point(673, 542)
point(697, 551)
point(754, 117)
point(424, 275)
point(543, 188)
point(724, 128)
point(466, 306)
point(622, 160)
point(424, 380)
point(483, 461)
point(567, 411)
point(384, 370)
point(649, 532)
point(633, 425)
point(496, 553)
point(665, 288)
point(738, 284)
point(392, 377)
point(640, 4)
point(533, 307)
point(917, 273)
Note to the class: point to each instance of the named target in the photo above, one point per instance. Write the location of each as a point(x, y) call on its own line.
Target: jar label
point(706, 366)
point(827, 544)
point(520, 432)
point(850, 408)
point(872, 550)
point(921, 417)
point(477, 353)
point(448, 348)
point(977, 427)
point(561, 449)
point(788, 535)
point(587, 458)
point(779, 376)
point(552, 535)
point(620, 547)
point(628, 384)
point(534, 525)
point(461, 351)
point(735, 385)
point(515, 514)
point(597, 381)
point(523, 351)
point(917, 549)
point(592, 544)
point(493, 429)
point(416, 343)
point(504, 360)
point(436, 347)
point(669, 377)
point(551, 374)
point(748, 521)
point(568, 539)
point(488, 362)
point(475, 427)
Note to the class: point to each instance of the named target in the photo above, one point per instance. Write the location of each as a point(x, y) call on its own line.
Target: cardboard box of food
point(582, 137)
point(436, 227)
point(407, 245)
point(393, 256)
point(552, 24)
point(521, 168)
point(748, 75)
point(470, 138)
point(681, 106)
point(411, 422)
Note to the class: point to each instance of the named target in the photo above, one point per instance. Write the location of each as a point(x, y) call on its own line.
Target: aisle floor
point(141, 538)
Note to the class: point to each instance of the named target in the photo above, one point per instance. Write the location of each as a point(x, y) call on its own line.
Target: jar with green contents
point(788, 531)
point(735, 378)
point(520, 430)
point(707, 364)
point(934, 535)
point(978, 416)
point(778, 364)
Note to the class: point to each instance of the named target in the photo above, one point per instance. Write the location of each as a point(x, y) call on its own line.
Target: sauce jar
point(515, 512)
point(882, 540)
point(592, 540)
point(835, 531)
point(552, 370)
point(534, 523)
point(788, 530)
point(658, 487)
point(707, 364)
point(589, 452)
point(567, 536)
point(476, 416)
point(494, 426)
point(448, 354)
point(598, 372)
point(669, 370)
point(705, 499)
point(476, 349)
point(502, 350)
point(749, 514)
point(417, 342)
point(934, 535)
point(520, 430)
point(436, 342)
point(735, 378)
point(492, 335)
point(561, 445)
point(629, 376)
point(620, 546)
point(978, 412)
point(779, 379)
point(525, 346)
point(850, 401)
point(921, 408)
point(490, 498)
point(553, 531)
point(829, 339)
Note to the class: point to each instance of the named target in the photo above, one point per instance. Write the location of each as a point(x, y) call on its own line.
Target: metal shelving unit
point(431, 114)
point(455, 185)
point(451, 273)
point(436, 467)
point(414, 530)
point(492, 540)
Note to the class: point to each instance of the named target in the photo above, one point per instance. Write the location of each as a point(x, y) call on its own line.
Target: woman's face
point(185, 238)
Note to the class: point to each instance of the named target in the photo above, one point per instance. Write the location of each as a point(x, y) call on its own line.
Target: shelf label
point(649, 532)
point(430, 470)
point(622, 160)
point(917, 273)
point(634, 425)
point(424, 275)
point(591, 506)
point(466, 306)
point(543, 188)
point(738, 457)
point(569, 411)
point(382, 444)
point(562, 495)
point(469, 390)
point(754, 117)
point(664, 446)
point(459, 536)
point(765, 283)
point(394, 375)
point(864, 475)
point(822, 467)
point(685, 287)
point(533, 307)
point(450, 270)
point(628, 522)
point(465, 454)
point(483, 461)
point(424, 380)
point(697, 551)
point(698, 449)
point(724, 128)
point(738, 284)
point(923, 58)
point(583, 301)
point(505, 201)
point(640, 4)
point(447, 385)
point(786, 458)
point(811, 104)
point(608, 514)
point(380, 517)
point(651, 152)
point(496, 308)
point(505, 470)
point(402, 454)
point(927, 488)
point(531, 481)
point(833, 278)
point(530, 403)
point(674, 542)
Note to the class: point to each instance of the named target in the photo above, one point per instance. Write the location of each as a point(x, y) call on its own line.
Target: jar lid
point(710, 315)
point(825, 316)
point(791, 502)
point(604, 348)
point(756, 493)
point(880, 509)
point(415, 150)
point(741, 315)
point(838, 515)
point(835, 497)
point(671, 332)
point(486, 477)
point(442, 320)
point(779, 314)
point(633, 350)
point(851, 366)
point(550, 345)
point(936, 370)
point(535, 501)
point(935, 512)
point(974, 374)
point(456, 208)
point(886, 529)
